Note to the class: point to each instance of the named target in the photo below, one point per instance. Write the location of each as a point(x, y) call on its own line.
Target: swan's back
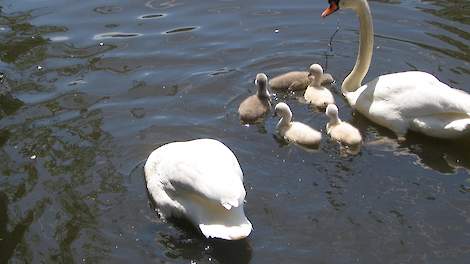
point(413, 94)
point(414, 100)
point(200, 179)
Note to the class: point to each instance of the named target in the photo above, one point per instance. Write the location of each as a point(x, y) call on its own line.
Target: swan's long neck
point(366, 43)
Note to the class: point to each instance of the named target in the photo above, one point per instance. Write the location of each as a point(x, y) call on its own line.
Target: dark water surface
point(91, 87)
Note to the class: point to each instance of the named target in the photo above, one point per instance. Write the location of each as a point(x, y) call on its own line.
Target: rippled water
point(91, 87)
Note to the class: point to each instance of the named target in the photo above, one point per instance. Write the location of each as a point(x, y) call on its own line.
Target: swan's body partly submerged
point(402, 101)
point(316, 94)
point(256, 106)
point(297, 80)
point(201, 180)
point(295, 132)
point(341, 131)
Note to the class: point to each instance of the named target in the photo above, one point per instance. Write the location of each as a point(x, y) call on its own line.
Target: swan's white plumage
point(414, 100)
point(295, 132)
point(403, 101)
point(201, 180)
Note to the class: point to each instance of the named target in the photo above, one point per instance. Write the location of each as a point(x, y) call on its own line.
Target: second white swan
point(401, 101)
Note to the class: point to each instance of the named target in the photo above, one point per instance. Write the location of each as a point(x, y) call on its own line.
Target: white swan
point(401, 101)
point(256, 106)
point(295, 132)
point(316, 94)
point(201, 180)
point(339, 130)
point(297, 80)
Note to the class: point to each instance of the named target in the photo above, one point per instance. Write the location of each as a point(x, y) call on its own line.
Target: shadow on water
point(190, 244)
point(445, 156)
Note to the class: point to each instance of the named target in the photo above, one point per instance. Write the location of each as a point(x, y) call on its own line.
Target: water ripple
point(179, 30)
point(116, 35)
point(151, 16)
point(108, 9)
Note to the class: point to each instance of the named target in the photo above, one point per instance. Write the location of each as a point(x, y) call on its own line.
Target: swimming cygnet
point(297, 80)
point(340, 130)
point(256, 106)
point(202, 181)
point(295, 131)
point(316, 94)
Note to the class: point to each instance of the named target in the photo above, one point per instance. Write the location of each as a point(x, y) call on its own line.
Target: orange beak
point(330, 10)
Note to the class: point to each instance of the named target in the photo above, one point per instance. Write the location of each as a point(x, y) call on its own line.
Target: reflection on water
point(451, 10)
point(91, 88)
point(190, 245)
point(8, 103)
point(445, 156)
point(58, 172)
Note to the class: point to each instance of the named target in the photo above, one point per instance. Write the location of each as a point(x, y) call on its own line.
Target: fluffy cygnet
point(297, 80)
point(256, 106)
point(295, 131)
point(316, 94)
point(339, 130)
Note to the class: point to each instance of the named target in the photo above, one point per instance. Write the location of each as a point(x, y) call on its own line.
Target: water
point(95, 86)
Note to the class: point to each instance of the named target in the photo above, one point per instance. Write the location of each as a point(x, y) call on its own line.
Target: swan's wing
point(415, 94)
point(205, 168)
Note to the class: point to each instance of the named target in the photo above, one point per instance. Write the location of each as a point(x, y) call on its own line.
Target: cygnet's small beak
point(274, 114)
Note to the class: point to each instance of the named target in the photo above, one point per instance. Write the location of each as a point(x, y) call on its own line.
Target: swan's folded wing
point(419, 94)
point(221, 187)
point(203, 167)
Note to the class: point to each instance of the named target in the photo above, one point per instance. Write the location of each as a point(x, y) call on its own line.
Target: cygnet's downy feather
point(256, 106)
point(339, 130)
point(316, 94)
point(297, 80)
point(295, 132)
